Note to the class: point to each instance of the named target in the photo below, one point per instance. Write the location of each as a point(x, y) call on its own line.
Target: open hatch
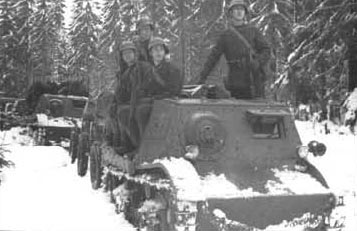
point(267, 123)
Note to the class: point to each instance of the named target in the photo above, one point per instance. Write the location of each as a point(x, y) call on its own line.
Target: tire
point(95, 168)
point(73, 148)
point(82, 155)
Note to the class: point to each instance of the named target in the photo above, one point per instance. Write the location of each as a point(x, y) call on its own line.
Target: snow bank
point(44, 120)
point(351, 101)
point(338, 166)
point(43, 192)
point(16, 136)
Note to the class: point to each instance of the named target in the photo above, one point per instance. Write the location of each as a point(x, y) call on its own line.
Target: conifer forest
point(314, 42)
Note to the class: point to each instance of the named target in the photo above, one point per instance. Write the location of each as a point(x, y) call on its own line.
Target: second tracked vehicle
point(211, 164)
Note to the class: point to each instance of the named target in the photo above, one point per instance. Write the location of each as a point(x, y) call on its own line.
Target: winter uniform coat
point(237, 55)
point(142, 54)
point(134, 88)
point(143, 50)
point(137, 82)
point(172, 78)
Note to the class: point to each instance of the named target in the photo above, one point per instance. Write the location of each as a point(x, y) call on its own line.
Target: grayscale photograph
point(178, 115)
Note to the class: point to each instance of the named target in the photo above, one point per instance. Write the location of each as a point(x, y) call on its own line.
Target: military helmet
point(145, 21)
point(126, 45)
point(158, 41)
point(236, 3)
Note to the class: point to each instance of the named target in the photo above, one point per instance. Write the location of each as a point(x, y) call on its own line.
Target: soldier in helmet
point(245, 50)
point(133, 88)
point(145, 30)
point(169, 73)
point(129, 49)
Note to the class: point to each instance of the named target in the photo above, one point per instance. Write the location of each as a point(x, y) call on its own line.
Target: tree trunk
point(182, 37)
point(352, 51)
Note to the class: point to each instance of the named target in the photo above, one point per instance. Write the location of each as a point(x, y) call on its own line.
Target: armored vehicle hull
point(216, 164)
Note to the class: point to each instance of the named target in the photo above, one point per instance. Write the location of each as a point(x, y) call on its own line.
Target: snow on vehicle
point(57, 116)
point(208, 164)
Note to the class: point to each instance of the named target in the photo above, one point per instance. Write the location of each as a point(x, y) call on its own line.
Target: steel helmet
point(145, 21)
point(236, 3)
point(158, 41)
point(126, 45)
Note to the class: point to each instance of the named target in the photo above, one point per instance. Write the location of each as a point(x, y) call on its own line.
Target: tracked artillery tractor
point(209, 164)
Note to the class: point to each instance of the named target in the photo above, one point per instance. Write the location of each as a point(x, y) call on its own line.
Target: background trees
point(83, 36)
point(313, 41)
point(8, 42)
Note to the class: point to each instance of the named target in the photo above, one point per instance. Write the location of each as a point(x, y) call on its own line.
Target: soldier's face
point(129, 56)
point(145, 32)
point(238, 12)
point(158, 53)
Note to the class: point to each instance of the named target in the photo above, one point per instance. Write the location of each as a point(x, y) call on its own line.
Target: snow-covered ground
point(338, 165)
point(43, 193)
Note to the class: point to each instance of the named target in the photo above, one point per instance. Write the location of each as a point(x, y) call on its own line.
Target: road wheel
point(73, 148)
point(96, 170)
point(82, 155)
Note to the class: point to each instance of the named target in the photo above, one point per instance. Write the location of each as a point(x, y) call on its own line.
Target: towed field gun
point(210, 163)
point(56, 117)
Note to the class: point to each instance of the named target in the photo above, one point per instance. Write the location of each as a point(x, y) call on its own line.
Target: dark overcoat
point(237, 55)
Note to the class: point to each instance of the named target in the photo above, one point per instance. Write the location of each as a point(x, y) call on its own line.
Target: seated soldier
point(167, 72)
point(170, 74)
point(132, 90)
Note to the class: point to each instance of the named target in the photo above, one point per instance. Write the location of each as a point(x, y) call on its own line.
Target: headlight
point(302, 152)
point(317, 148)
point(192, 152)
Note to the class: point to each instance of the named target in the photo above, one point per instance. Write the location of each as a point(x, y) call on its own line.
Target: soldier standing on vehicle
point(246, 52)
point(133, 88)
point(145, 30)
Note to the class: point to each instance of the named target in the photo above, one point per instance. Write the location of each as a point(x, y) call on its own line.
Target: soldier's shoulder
point(251, 26)
point(145, 64)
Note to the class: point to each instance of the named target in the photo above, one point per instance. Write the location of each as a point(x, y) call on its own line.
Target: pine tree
point(8, 46)
point(84, 41)
point(110, 39)
point(4, 162)
point(43, 37)
point(56, 13)
point(319, 49)
point(112, 25)
point(24, 14)
point(275, 19)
